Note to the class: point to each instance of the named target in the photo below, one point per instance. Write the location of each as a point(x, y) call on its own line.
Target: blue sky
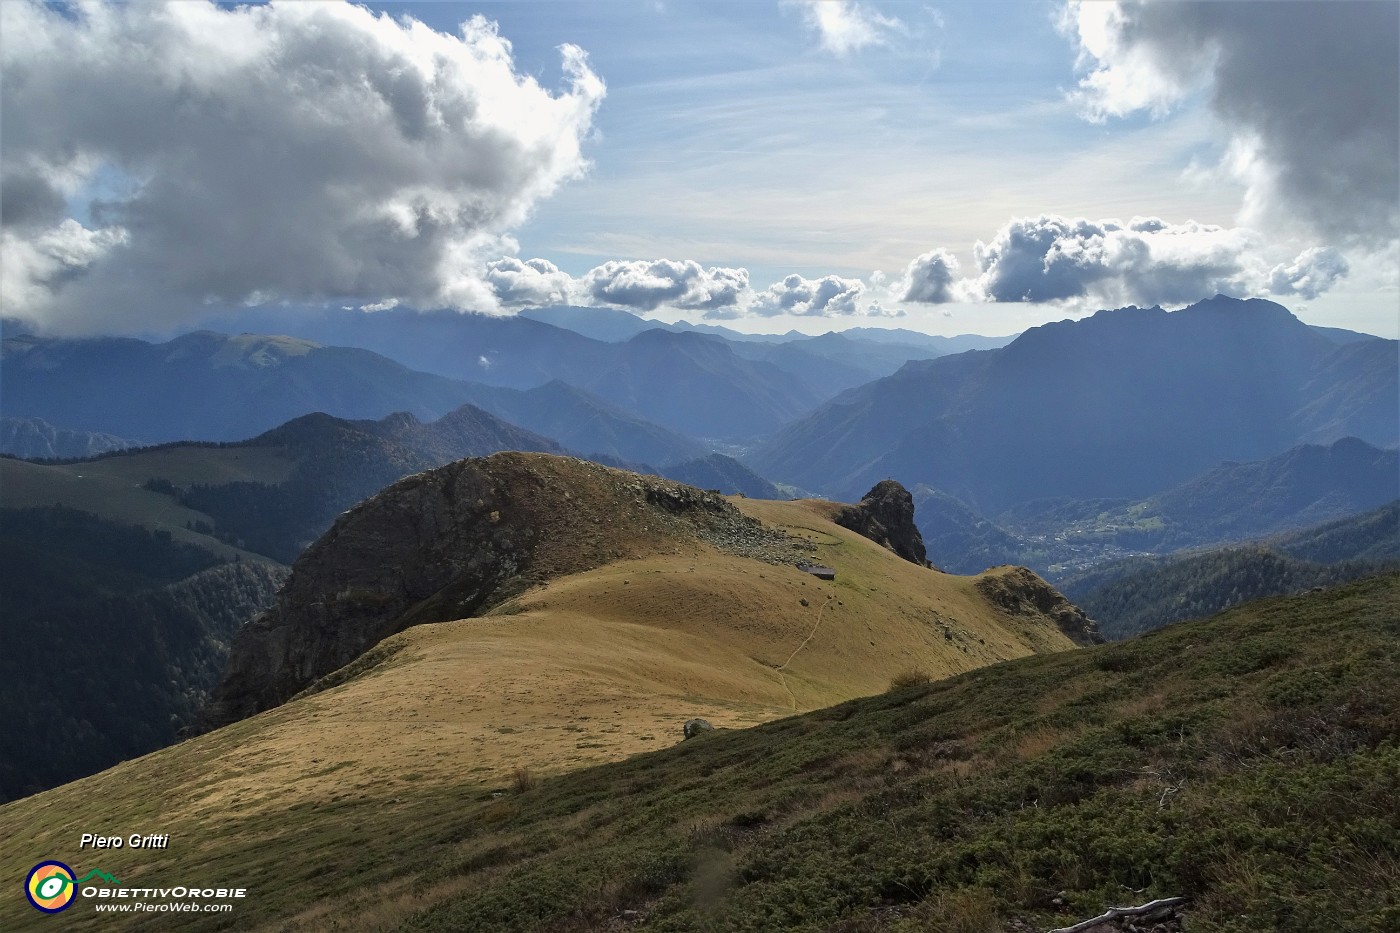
point(800, 165)
point(729, 135)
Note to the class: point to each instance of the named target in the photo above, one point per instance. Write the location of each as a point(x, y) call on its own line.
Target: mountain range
point(680, 378)
point(1122, 404)
point(477, 535)
point(209, 386)
point(206, 386)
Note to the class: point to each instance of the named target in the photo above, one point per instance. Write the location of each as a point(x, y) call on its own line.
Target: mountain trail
point(792, 698)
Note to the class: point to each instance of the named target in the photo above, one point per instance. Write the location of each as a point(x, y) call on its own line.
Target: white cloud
point(1105, 263)
point(1306, 91)
point(683, 284)
point(300, 151)
point(929, 278)
point(846, 26)
point(1312, 273)
point(529, 282)
point(828, 296)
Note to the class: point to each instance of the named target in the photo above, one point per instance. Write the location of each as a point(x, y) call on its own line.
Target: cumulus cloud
point(929, 278)
point(1147, 261)
point(846, 26)
point(682, 284)
point(1306, 90)
point(828, 296)
point(1312, 273)
point(300, 151)
point(529, 282)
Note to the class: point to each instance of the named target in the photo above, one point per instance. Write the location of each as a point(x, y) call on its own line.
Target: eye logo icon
point(50, 887)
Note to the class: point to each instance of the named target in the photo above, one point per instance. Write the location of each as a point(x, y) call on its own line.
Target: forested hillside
point(141, 626)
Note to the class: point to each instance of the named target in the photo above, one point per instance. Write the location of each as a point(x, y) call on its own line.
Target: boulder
point(694, 727)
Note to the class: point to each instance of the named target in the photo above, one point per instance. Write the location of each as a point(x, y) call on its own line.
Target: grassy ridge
point(1248, 762)
point(363, 789)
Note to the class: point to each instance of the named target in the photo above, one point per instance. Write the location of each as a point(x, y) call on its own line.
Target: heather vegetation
point(1248, 762)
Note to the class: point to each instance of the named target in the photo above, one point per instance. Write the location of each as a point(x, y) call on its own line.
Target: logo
point(50, 887)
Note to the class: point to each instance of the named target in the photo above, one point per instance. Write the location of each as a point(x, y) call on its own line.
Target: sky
point(945, 167)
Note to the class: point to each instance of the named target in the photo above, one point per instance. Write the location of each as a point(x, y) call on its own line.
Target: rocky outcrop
point(1019, 591)
point(886, 516)
point(453, 542)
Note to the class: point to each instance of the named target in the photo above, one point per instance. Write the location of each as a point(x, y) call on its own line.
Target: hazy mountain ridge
point(1121, 404)
point(207, 386)
point(717, 471)
point(698, 385)
point(640, 374)
point(586, 423)
point(36, 439)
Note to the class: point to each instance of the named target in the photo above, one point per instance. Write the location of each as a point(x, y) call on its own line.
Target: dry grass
point(959, 912)
point(1037, 742)
point(591, 668)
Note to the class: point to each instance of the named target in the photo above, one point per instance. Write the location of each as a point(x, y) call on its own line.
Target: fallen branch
point(1161, 905)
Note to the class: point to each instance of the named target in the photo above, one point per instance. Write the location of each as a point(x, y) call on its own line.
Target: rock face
point(452, 542)
point(886, 516)
point(1020, 591)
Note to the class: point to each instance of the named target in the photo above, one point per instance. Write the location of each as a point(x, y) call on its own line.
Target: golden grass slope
point(586, 668)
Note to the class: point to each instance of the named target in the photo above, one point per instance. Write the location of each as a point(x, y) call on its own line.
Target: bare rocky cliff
point(885, 515)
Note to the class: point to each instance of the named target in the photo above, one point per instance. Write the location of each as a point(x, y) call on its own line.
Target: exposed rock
point(453, 542)
point(694, 727)
point(886, 516)
point(1020, 591)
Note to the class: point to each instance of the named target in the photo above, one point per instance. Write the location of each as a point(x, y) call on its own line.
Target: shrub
point(522, 779)
point(913, 677)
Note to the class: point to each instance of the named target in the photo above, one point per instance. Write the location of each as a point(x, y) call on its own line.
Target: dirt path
point(792, 697)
